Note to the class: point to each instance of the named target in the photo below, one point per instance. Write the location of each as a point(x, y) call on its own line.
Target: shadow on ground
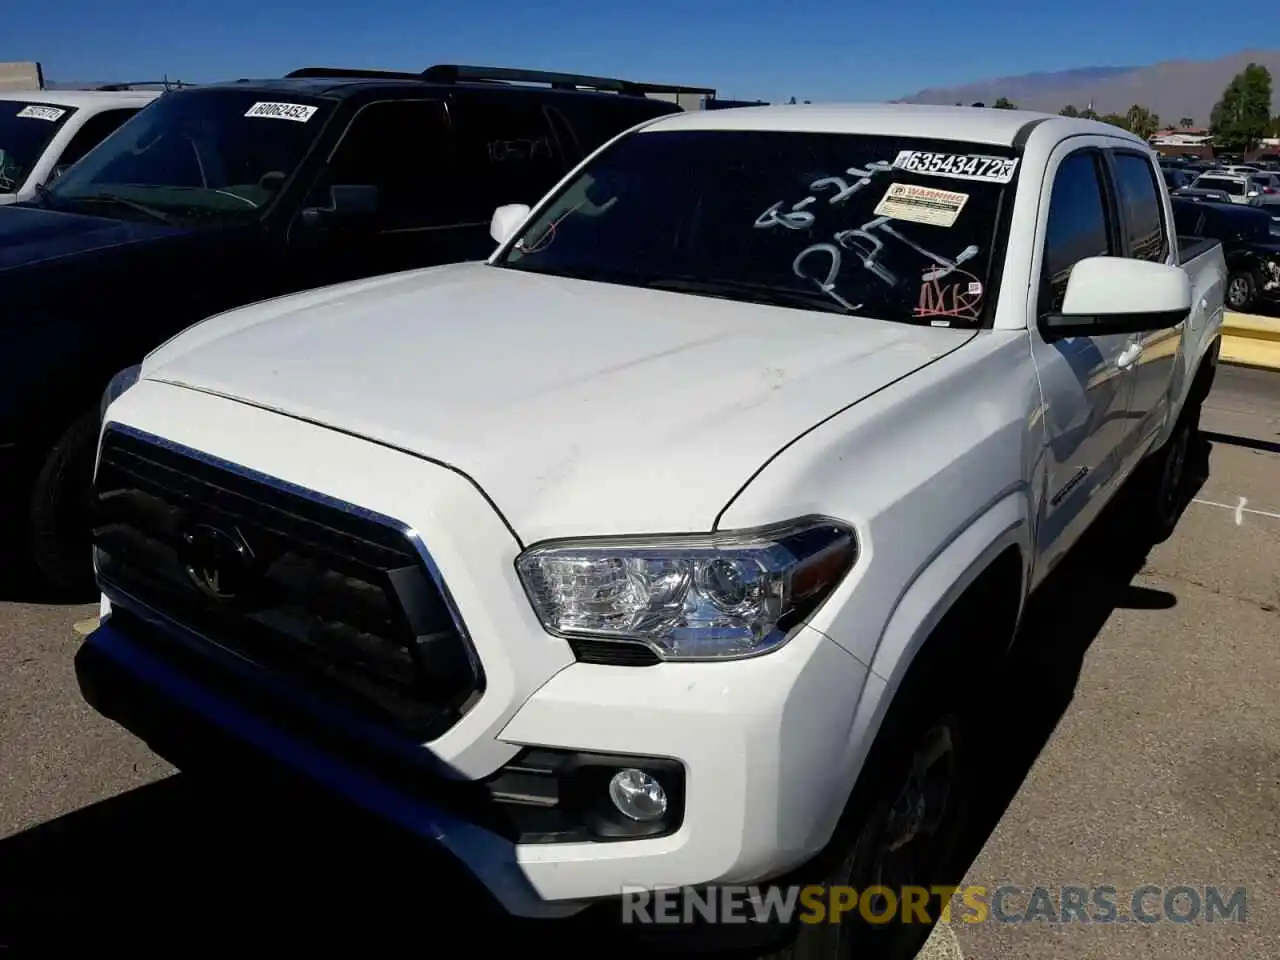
point(185, 862)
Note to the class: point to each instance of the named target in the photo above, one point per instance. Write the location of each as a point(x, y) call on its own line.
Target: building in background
point(687, 98)
point(21, 76)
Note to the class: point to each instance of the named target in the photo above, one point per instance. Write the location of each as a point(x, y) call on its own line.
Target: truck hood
point(578, 407)
point(30, 235)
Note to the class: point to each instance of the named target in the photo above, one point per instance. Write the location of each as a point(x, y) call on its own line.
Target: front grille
point(334, 600)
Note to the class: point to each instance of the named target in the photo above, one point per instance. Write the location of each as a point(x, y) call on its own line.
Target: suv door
point(404, 149)
point(1145, 233)
point(1086, 380)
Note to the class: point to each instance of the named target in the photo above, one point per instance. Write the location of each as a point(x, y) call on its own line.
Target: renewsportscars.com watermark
point(968, 904)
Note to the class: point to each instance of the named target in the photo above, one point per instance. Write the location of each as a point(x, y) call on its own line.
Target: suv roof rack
point(166, 83)
point(458, 73)
point(344, 72)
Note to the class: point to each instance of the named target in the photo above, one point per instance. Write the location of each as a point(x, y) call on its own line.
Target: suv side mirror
point(346, 202)
point(1111, 295)
point(58, 171)
point(507, 220)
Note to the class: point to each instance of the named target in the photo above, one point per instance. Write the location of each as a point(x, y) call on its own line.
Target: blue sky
point(749, 49)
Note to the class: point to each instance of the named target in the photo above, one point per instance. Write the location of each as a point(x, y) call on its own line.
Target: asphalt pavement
point(1134, 741)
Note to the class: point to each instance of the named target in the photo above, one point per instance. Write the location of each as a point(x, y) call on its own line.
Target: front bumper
point(763, 744)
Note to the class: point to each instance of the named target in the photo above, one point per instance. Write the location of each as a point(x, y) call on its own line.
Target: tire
point(1241, 291)
point(59, 517)
point(1162, 489)
point(929, 722)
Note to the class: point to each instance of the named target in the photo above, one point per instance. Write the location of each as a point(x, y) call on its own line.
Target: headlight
point(121, 382)
point(697, 597)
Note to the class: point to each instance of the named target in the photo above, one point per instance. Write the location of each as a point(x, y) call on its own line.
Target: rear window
point(1234, 188)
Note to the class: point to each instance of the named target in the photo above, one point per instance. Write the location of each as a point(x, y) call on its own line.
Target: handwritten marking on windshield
point(827, 285)
point(866, 242)
point(962, 298)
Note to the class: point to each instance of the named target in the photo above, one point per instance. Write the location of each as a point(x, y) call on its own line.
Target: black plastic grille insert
point(328, 597)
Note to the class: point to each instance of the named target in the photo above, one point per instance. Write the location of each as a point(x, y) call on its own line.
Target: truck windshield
point(197, 155)
point(892, 228)
point(25, 131)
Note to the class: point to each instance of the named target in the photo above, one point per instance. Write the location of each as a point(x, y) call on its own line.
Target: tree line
point(1240, 119)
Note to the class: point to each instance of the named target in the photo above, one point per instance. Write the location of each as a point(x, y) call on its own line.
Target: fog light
point(637, 795)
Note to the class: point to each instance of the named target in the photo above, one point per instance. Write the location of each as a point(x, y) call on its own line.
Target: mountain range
point(1173, 89)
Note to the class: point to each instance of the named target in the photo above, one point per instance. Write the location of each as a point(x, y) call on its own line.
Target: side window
point(404, 148)
point(1143, 211)
point(1077, 228)
point(1186, 219)
point(509, 151)
point(96, 129)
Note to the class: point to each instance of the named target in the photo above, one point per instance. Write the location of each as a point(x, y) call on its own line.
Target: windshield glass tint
point(899, 229)
point(199, 154)
point(25, 130)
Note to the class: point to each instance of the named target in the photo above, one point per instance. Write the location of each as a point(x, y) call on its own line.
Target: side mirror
point(346, 202)
point(507, 220)
point(1115, 295)
point(58, 171)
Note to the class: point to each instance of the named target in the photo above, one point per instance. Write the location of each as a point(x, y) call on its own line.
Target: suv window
point(402, 147)
point(1078, 225)
point(1143, 211)
point(215, 153)
point(509, 148)
point(96, 129)
point(1186, 218)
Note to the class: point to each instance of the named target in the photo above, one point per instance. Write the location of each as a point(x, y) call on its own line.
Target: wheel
point(901, 827)
point(1163, 489)
point(59, 511)
point(1241, 289)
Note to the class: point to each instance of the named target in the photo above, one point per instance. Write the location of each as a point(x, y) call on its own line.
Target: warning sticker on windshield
point(958, 166)
point(905, 201)
point(283, 111)
point(36, 111)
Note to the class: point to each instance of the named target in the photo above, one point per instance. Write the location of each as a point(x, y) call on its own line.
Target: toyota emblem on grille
point(217, 561)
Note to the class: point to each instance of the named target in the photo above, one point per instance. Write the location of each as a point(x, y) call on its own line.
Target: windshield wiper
point(751, 293)
point(119, 201)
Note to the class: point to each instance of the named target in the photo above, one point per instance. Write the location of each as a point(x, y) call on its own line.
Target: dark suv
point(221, 195)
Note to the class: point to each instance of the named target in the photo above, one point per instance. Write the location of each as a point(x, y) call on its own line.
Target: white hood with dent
point(580, 408)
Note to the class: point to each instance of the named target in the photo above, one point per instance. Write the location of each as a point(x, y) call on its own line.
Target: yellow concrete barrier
point(1251, 341)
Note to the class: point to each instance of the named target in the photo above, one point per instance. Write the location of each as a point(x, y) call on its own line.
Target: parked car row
point(1251, 243)
point(221, 195)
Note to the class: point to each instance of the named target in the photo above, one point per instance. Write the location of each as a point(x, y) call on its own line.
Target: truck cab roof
point(968, 124)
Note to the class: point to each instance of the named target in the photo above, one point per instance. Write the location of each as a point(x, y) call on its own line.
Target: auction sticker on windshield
point(958, 166)
point(905, 201)
point(36, 111)
point(282, 111)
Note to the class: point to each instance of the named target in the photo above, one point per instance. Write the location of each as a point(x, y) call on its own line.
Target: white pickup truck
point(656, 550)
point(43, 132)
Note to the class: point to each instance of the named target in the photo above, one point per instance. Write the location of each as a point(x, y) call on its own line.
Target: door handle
point(1129, 356)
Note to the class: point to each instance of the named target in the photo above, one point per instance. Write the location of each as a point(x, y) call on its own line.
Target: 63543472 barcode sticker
point(958, 166)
